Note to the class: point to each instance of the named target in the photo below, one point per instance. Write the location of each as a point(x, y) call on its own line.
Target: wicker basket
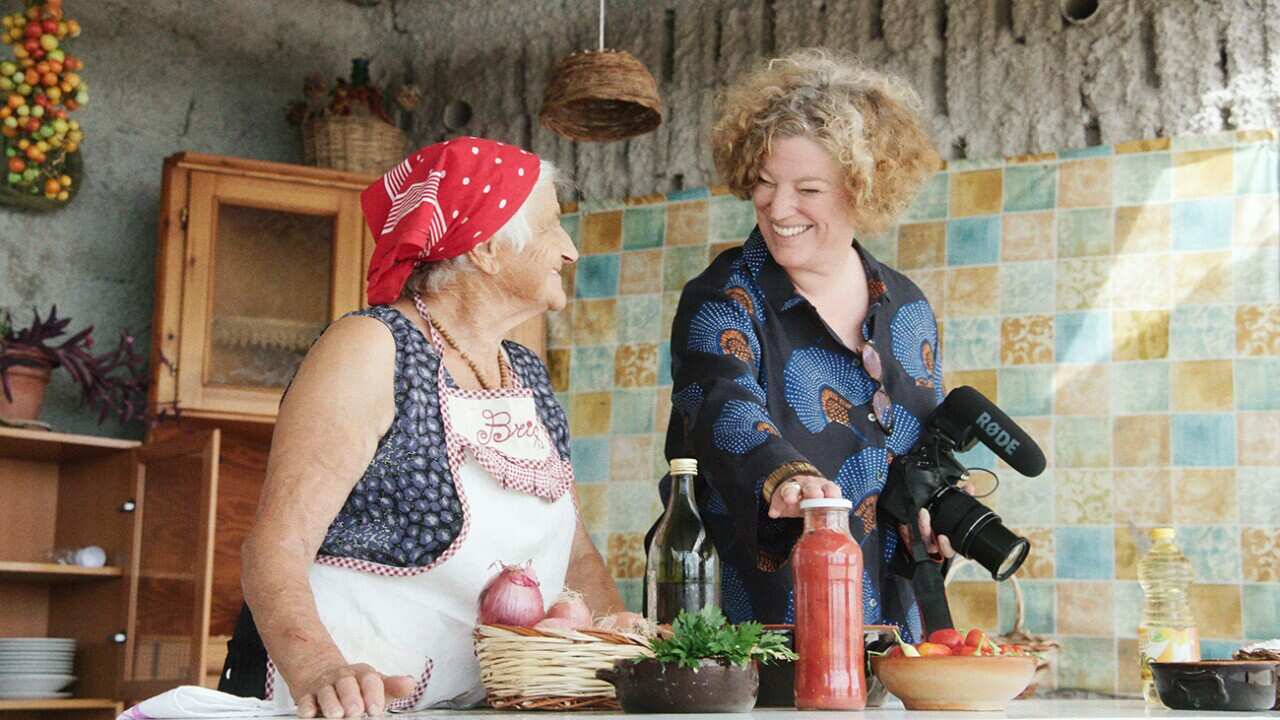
point(1045, 648)
point(601, 95)
point(526, 669)
point(355, 143)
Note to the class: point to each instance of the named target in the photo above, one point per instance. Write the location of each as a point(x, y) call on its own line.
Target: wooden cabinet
point(141, 622)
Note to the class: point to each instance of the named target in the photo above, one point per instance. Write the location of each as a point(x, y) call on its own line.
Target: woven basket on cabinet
point(355, 143)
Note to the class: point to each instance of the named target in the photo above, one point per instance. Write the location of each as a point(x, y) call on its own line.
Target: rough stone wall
point(998, 77)
point(164, 76)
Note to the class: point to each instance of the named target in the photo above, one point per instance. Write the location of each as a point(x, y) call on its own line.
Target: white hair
point(432, 277)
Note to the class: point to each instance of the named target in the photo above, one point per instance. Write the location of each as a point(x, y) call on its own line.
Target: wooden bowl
point(964, 682)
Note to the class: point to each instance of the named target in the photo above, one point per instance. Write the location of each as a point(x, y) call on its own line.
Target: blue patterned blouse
point(764, 390)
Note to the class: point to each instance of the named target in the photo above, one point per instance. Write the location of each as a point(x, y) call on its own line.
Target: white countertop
point(1094, 709)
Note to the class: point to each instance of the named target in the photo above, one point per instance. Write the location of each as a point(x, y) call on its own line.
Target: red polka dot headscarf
point(439, 203)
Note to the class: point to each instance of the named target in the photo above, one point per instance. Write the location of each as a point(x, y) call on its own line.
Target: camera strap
point(929, 587)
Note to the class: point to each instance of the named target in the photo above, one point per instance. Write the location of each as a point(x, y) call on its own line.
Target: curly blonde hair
point(868, 120)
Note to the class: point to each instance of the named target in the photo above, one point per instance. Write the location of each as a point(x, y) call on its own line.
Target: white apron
point(517, 505)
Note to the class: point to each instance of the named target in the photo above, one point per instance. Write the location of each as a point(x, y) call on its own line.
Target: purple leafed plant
point(113, 383)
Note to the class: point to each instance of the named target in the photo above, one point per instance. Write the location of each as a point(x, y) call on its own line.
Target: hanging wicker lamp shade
point(600, 95)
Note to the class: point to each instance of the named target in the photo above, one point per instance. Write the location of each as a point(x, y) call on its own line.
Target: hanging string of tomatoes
point(42, 86)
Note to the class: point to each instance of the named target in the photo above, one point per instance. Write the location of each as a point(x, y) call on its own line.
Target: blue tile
point(1081, 441)
point(1257, 383)
point(1030, 187)
point(1202, 332)
point(1203, 224)
point(632, 591)
point(979, 456)
point(597, 276)
point(1218, 649)
point(591, 369)
point(590, 458)
point(1084, 553)
point(1255, 279)
point(572, 224)
point(1022, 500)
point(1262, 611)
point(632, 411)
point(931, 201)
point(1085, 232)
point(1038, 601)
point(639, 318)
point(973, 241)
point(664, 363)
point(1127, 599)
point(644, 227)
point(1204, 440)
point(1138, 387)
point(1214, 552)
point(1082, 337)
point(1259, 492)
point(1022, 287)
point(1257, 169)
point(972, 344)
point(689, 194)
point(1088, 663)
point(1025, 390)
point(1142, 178)
point(1085, 152)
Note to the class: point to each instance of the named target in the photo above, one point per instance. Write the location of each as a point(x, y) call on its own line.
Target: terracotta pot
point(26, 384)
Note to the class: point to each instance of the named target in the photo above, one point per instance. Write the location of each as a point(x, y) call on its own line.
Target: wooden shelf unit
point(27, 572)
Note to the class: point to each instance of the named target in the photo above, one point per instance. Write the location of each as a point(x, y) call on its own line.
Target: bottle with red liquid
point(826, 567)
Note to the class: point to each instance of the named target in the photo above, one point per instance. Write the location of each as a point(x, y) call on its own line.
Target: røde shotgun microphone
point(966, 415)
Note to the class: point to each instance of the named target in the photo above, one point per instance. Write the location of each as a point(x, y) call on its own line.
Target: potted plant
point(704, 665)
point(112, 383)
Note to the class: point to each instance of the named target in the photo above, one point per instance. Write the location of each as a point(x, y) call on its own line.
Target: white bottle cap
point(684, 466)
point(810, 503)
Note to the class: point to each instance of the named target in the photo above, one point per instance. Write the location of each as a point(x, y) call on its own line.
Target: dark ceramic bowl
point(1217, 684)
point(650, 686)
point(778, 679)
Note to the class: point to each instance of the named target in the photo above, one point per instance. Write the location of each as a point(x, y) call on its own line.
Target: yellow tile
point(1204, 497)
point(1039, 564)
point(933, 283)
point(973, 604)
point(1144, 496)
point(662, 413)
point(626, 555)
point(1031, 159)
point(1202, 386)
point(1261, 548)
point(1083, 497)
point(558, 369)
point(976, 193)
point(687, 223)
point(595, 321)
point(1126, 551)
point(1143, 229)
point(650, 199)
point(1026, 340)
point(568, 207)
point(636, 365)
point(593, 504)
point(1202, 278)
point(1256, 434)
point(1141, 281)
point(1027, 236)
point(601, 232)
point(922, 245)
point(984, 381)
point(1080, 390)
point(1258, 329)
point(1141, 146)
point(1257, 221)
point(1252, 136)
point(1203, 173)
point(641, 272)
point(718, 248)
point(720, 190)
point(590, 413)
point(1085, 608)
point(1084, 183)
point(973, 291)
point(1141, 440)
point(1140, 334)
point(1217, 610)
point(1129, 675)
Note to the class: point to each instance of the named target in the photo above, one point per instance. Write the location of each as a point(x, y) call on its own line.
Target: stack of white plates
point(36, 667)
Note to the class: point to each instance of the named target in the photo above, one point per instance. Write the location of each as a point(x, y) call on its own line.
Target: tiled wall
point(1121, 302)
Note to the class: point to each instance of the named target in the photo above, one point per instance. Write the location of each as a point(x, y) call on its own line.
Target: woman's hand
point(787, 496)
point(938, 546)
point(340, 691)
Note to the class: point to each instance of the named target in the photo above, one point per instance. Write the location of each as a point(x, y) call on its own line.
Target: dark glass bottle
point(683, 571)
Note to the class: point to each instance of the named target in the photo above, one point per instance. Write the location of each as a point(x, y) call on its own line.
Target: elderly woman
point(415, 449)
point(801, 364)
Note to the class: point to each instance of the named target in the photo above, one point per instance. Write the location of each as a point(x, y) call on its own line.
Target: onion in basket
point(512, 597)
point(571, 607)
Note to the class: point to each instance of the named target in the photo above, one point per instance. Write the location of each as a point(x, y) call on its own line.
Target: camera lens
point(977, 532)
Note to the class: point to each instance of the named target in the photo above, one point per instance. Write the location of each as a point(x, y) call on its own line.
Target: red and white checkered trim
point(271, 680)
point(410, 701)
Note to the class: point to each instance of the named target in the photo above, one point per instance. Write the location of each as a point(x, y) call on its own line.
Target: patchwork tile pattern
point(1121, 303)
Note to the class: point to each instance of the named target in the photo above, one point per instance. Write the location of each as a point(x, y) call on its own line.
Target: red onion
point(570, 606)
point(512, 597)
